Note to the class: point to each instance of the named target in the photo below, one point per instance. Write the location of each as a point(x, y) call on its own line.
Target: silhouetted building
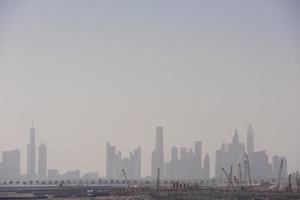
point(42, 161)
point(157, 160)
point(31, 154)
point(250, 141)
point(10, 167)
point(115, 163)
point(276, 166)
point(198, 160)
point(206, 170)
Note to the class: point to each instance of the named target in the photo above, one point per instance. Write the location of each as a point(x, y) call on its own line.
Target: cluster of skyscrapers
point(10, 167)
point(187, 164)
point(184, 164)
point(115, 163)
point(234, 154)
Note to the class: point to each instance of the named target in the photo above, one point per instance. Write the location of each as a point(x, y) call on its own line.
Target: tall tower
point(206, 168)
point(31, 155)
point(250, 141)
point(158, 154)
point(198, 160)
point(42, 162)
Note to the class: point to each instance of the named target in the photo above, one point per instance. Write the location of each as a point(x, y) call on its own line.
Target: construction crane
point(248, 170)
point(228, 176)
point(158, 179)
point(127, 182)
point(280, 174)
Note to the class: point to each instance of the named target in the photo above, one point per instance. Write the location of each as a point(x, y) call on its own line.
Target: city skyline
point(184, 164)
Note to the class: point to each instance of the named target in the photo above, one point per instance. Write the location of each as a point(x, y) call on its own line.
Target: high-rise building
point(198, 160)
point(42, 161)
point(158, 160)
point(250, 141)
point(11, 165)
point(31, 154)
point(206, 169)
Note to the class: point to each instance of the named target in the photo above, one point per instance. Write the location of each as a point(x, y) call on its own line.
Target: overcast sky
point(88, 72)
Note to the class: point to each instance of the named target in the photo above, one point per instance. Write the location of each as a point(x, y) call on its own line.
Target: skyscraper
point(198, 159)
point(11, 165)
point(157, 160)
point(206, 170)
point(31, 155)
point(42, 161)
point(250, 141)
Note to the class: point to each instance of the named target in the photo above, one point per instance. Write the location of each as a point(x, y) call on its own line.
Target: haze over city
point(97, 72)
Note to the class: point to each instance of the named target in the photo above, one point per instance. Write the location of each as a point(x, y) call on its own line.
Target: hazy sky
point(88, 72)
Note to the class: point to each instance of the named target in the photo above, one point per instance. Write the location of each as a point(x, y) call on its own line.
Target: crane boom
point(229, 177)
point(127, 182)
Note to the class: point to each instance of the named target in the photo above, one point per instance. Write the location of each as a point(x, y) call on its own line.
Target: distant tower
point(42, 162)
point(206, 169)
point(31, 155)
point(250, 141)
point(198, 160)
point(158, 153)
point(236, 139)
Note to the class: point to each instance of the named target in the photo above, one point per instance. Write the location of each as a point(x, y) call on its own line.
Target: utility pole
point(298, 182)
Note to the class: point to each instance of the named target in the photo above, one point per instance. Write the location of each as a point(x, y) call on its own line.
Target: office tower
point(31, 155)
point(260, 165)
point(221, 160)
point(276, 166)
point(236, 153)
point(174, 153)
point(206, 169)
point(137, 163)
point(157, 160)
point(250, 141)
point(110, 153)
point(42, 161)
point(198, 159)
point(11, 165)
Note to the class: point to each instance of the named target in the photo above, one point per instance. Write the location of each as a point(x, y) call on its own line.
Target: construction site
point(233, 187)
